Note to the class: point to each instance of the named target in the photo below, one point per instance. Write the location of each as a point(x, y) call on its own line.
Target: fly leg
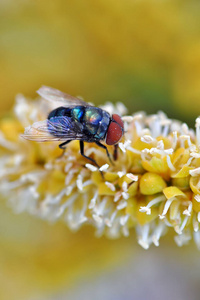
point(115, 153)
point(104, 147)
point(62, 146)
point(89, 158)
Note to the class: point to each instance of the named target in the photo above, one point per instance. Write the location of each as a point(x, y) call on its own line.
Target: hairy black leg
point(62, 146)
point(115, 154)
point(89, 158)
point(82, 153)
point(104, 147)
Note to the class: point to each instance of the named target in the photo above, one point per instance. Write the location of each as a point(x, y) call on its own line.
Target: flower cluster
point(153, 185)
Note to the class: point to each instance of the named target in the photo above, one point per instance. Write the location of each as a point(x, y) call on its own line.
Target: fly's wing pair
point(59, 98)
point(59, 128)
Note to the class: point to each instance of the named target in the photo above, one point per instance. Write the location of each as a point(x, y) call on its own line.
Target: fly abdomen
point(57, 124)
point(60, 112)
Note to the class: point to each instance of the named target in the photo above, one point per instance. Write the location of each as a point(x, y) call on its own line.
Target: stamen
point(110, 186)
point(147, 139)
point(158, 233)
point(189, 161)
point(175, 139)
point(69, 189)
point(117, 196)
point(100, 208)
point(184, 138)
point(68, 167)
point(195, 224)
point(91, 167)
point(67, 204)
point(98, 219)
point(166, 207)
point(121, 174)
point(134, 150)
point(170, 165)
point(137, 127)
point(184, 223)
point(184, 129)
point(93, 201)
point(121, 108)
point(195, 155)
point(110, 221)
point(132, 176)
point(198, 184)
point(188, 211)
point(79, 182)
point(144, 236)
point(125, 195)
point(160, 145)
point(198, 130)
point(195, 172)
point(124, 219)
point(127, 119)
point(166, 128)
point(147, 209)
point(197, 197)
point(121, 146)
point(125, 186)
point(182, 239)
point(121, 205)
point(104, 167)
point(125, 231)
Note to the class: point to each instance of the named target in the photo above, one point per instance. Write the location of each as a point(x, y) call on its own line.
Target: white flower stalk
point(154, 183)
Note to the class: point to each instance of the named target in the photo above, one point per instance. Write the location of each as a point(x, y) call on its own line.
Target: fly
point(74, 119)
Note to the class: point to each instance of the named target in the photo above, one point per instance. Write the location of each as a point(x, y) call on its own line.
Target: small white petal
point(121, 205)
point(145, 209)
point(120, 174)
point(195, 172)
point(125, 195)
point(121, 146)
point(91, 167)
point(104, 167)
point(132, 176)
point(110, 185)
point(97, 218)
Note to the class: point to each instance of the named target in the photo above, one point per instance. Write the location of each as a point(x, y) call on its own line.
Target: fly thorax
point(103, 126)
point(92, 118)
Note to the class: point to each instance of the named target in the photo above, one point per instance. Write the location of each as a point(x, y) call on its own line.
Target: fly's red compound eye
point(115, 130)
point(118, 120)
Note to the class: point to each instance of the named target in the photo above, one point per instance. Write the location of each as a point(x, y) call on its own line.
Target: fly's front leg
point(104, 147)
point(89, 158)
point(62, 146)
point(115, 154)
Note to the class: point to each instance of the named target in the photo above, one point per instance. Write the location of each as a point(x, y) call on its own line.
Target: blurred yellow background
point(145, 53)
point(141, 52)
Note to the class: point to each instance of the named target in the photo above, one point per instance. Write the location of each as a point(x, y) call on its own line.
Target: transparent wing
point(61, 98)
point(58, 129)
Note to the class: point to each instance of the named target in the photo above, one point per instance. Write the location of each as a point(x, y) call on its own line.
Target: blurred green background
point(141, 52)
point(144, 53)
